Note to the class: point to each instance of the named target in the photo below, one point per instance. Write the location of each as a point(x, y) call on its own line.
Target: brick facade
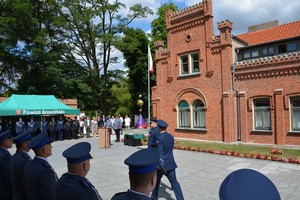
point(191, 30)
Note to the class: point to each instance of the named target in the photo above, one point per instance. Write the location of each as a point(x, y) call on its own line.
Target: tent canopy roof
point(35, 105)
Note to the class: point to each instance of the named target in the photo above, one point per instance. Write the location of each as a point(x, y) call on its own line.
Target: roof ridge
point(267, 29)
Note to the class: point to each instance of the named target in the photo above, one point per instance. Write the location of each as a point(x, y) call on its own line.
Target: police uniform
point(167, 162)
point(141, 162)
point(153, 135)
point(72, 186)
point(40, 177)
point(248, 184)
point(17, 165)
point(44, 126)
point(60, 128)
point(5, 181)
point(20, 127)
point(31, 127)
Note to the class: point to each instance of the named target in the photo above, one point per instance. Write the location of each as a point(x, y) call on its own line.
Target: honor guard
point(248, 184)
point(5, 156)
point(73, 185)
point(167, 164)
point(142, 175)
point(153, 134)
point(17, 165)
point(40, 177)
point(20, 126)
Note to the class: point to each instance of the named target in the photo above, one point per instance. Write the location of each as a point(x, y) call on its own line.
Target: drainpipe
point(237, 92)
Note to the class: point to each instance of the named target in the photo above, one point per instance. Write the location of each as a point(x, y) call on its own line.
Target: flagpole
point(148, 95)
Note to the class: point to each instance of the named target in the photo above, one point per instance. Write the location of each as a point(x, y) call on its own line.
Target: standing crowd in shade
point(23, 177)
point(61, 127)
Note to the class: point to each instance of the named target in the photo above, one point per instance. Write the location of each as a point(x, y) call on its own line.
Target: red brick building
point(228, 88)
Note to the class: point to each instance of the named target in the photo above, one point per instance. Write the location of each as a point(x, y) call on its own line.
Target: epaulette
point(86, 184)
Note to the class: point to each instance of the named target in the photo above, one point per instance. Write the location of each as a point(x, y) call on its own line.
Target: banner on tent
point(40, 112)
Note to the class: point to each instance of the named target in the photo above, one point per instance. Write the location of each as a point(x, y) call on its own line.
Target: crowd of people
point(62, 127)
point(23, 177)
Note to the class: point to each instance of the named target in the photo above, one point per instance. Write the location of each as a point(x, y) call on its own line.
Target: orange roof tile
point(280, 32)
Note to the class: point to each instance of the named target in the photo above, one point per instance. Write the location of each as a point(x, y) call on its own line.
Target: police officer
point(17, 165)
point(31, 127)
point(167, 164)
point(52, 128)
point(44, 125)
point(20, 126)
point(248, 184)
point(75, 128)
point(40, 177)
point(142, 175)
point(60, 128)
point(5, 156)
point(153, 134)
point(73, 185)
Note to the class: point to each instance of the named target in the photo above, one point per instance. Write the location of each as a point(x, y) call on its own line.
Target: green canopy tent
point(20, 105)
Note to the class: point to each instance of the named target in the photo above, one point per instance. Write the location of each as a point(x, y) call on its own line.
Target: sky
point(242, 13)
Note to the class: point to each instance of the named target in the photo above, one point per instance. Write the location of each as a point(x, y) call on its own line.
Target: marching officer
point(153, 134)
point(5, 156)
point(167, 164)
point(73, 185)
point(40, 177)
point(17, 165)
point(20, 126)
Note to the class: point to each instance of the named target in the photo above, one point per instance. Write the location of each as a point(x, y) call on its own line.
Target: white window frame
point(184, 116)
point(295, 110)
point(261, 112)
point(190, 63)
point(199, 116)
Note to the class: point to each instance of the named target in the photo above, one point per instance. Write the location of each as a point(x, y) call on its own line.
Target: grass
point(240, 148)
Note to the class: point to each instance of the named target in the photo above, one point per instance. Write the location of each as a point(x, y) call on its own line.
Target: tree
point(134, 46)
point(158, 25)
point(90, 29)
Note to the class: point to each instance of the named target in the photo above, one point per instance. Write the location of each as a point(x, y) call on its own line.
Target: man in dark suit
point(153, 134)
point(5, 156)
point(167, 164)
point(40, 177)
point(73, 185)
point(142, 175)
point(17, 165)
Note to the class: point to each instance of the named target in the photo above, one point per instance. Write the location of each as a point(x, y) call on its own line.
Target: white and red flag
point(150, 61)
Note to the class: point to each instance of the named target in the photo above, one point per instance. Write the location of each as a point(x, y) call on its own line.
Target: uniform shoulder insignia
point(86, 184)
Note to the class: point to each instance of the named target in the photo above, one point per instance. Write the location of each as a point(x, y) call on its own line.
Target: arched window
point(198, 114)
point(184, 114)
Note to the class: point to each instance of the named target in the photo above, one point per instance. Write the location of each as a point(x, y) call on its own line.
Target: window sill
point(294, 132)
point(189, 75)
point(202, 130)
point(262, 132)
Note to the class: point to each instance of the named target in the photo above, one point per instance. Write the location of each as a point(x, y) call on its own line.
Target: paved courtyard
point(200, 174)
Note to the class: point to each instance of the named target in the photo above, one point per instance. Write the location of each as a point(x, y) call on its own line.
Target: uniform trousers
point(171, 175)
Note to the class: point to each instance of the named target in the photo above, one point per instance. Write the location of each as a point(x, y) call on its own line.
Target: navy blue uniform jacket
point(129, 195)
point(153, 137)
point(17, 166)
point(75, 187)
point(40, 180)
point(5, 181)
point(165, 147)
